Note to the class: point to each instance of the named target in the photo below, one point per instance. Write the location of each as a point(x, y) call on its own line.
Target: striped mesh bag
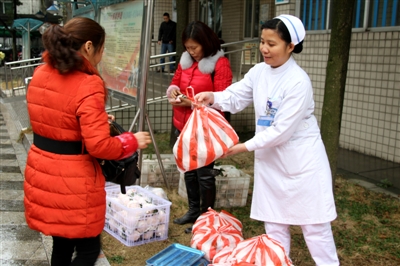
point(215, 219)
point(221, 257)
point(205, 138)
point(259, 250)
point(211, 240)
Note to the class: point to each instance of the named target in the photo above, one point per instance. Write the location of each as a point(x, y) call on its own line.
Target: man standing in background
point(167, 39)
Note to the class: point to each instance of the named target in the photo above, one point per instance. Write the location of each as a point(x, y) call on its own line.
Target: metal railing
point(15, 74)
point(162, 80)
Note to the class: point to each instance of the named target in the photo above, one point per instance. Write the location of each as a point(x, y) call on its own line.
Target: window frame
point(254, 21)
point(205, 16)
point(3, 6)
point(365, 20)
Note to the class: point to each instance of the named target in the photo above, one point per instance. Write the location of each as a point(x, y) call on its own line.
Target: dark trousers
point(170, 48)
point(87, 251)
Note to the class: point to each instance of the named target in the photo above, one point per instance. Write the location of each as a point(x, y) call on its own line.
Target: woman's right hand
point(206, 98)
point(131, 142)
point(143, 139)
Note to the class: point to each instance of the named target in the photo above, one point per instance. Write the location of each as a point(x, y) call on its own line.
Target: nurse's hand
point(206, 98)
point(238, 148)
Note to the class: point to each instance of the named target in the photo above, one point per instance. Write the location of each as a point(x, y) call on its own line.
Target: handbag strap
point(58, 146)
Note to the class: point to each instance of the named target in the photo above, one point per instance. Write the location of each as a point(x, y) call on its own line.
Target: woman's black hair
point(204, 35)
point(62, 43)
point(280, 28)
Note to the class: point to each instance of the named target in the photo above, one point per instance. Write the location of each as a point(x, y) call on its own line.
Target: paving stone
point(16, 185)
point(24, 263)
point(19, 250)
point(8, 150)
point(6, 156)
point(13, 232)
point(10, 169)
point(12, 218)
point(11, 194)
point(12, 205)
point(9, 162)
point(11, 177)
point(6, 146)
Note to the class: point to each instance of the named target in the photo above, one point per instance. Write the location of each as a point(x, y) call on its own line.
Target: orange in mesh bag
point(215, 219)
point(211, 240)
point(214, 231)
point(259, 250)
point(205, 138)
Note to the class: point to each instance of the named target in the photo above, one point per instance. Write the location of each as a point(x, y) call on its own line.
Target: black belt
point(58, 146)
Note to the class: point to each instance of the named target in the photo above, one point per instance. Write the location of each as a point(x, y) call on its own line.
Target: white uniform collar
point(284, 67)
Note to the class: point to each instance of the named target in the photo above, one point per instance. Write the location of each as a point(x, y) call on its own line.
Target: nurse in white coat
point(292, 177)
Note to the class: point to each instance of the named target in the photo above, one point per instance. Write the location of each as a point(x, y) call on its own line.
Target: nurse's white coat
point(292, 177)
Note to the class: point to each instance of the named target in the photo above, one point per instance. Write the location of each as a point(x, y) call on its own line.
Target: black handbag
point(124, 172)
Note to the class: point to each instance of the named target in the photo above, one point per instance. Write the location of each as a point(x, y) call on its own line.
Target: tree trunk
point(336, 73)
point(182, 11)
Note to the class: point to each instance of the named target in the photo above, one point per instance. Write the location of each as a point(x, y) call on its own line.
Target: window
point(367, 13)
point(384, 13)
point(313, 13)
point(6, 7)
point(210, 12)
point(251, 19)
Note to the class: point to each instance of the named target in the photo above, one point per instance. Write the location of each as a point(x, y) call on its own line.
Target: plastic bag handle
point(190, 93)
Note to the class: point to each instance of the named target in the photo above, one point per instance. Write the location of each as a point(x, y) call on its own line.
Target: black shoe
point(189, 217)
point(159, 70)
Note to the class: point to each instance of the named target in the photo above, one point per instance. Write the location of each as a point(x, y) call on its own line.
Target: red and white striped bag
point(215, 219)
point(211, 240)
point(205, 138)
point(222, 256)
point(259, 250)
point(233, 264)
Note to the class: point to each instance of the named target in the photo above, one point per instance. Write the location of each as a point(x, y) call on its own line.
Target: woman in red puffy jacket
point(204, 67)
point(64, 184)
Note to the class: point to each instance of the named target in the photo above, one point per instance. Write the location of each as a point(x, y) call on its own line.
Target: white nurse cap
point(295, 27)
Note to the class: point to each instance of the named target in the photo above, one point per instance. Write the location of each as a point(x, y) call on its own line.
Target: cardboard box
point(137, 217)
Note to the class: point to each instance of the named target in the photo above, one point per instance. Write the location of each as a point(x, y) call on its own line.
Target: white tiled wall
point(371, 111)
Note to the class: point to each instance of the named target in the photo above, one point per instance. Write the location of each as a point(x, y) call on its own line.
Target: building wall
point(28, 7)
point(232, 28)
point(371, 111)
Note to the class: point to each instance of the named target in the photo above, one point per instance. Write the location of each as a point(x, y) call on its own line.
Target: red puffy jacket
point(64, 194)
point(199, 76)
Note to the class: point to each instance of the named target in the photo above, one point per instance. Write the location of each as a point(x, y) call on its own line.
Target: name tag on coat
point(265, 121)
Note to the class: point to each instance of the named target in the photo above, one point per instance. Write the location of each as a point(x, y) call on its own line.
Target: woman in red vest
point(204, 67)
